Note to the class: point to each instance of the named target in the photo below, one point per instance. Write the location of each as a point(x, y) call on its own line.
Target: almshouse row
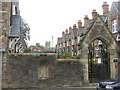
point(72, 37)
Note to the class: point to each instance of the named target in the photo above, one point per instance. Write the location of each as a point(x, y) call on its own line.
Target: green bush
point(67, 55)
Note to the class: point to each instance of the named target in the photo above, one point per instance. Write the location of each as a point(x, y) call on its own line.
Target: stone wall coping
point(68, 59)
point(34, 54)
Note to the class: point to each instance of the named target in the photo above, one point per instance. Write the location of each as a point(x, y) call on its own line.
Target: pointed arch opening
point(98, 60)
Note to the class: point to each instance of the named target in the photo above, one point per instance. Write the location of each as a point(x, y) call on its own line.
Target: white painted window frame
point(114, 26)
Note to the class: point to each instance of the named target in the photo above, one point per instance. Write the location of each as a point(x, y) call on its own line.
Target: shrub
point(67, 55)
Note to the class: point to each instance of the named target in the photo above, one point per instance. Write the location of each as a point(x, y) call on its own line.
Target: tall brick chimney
point(74, 26)
point(79, 23)
point(85, 19)
point(105, 8)
point(63, 33)
point(94, 13)
point(70, 30)
point(66, 31)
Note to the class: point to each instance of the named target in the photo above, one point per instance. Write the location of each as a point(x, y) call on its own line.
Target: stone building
point(97, 42)
point(19, 32)
point(14, 33)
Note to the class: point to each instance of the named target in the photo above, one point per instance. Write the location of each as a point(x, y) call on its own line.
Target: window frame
point(114, 26)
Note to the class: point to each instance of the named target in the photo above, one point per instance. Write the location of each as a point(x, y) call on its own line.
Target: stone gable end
point(98, 30)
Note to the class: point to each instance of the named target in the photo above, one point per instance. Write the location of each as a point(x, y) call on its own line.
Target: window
point(97, 53)
point(114, 26)
point(118, 37)
point(43, 71)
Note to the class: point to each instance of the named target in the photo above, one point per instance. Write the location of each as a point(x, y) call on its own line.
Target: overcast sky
point(48, 18)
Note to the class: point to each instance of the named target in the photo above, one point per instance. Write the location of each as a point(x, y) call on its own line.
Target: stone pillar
point(5, 24)
point(113, 56)
point(85, 70)
point(86, 78)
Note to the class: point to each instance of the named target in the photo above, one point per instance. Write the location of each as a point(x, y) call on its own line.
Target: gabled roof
point(67, 37)
point(15, 30)
point(59, 40)
point(90, 29)
point(80, 31)
point(89, 21)
point(117, 4)
point(104, 17)
point(74, 33)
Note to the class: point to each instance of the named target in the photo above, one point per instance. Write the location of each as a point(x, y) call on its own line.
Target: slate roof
point(15, 30)
point(74, 33)
point(66, 37)
point(104, 17)
point(117, 4)
point(59, 40)
point(89, 21)
point(80, 31)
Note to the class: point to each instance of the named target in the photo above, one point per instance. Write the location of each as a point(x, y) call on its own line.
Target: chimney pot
point(74, 26)
point(70, 30)
point(79, 23)
point(66, 31)
point(105, 7)
point(94, 13)
point(85, 19)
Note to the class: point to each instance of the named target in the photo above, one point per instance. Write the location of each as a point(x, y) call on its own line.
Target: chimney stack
point(70, 30)
point(74, 26)
point(79, 24)
point(105, 8)
point(63, 33)
point(66, 31)
point(94, 13)
point(85, 20)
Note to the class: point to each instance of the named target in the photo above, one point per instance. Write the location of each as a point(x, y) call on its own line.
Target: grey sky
point(48, 18)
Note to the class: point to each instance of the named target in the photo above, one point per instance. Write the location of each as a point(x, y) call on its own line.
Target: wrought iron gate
point(98, 63)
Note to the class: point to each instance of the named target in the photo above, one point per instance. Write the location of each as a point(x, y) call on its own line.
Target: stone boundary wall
point(22, 71)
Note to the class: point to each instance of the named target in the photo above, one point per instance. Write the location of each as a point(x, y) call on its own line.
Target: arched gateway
point(98, 51)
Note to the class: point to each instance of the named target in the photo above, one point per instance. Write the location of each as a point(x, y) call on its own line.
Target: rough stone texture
point(100, 31)
point(5, 15)
point(22, 71)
